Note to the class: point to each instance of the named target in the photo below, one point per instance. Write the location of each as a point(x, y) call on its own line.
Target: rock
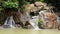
point(49, 20)
point(40, 8)
point(34, 9)
point(53, 21)
point(38, 4)
point(17, 18)
point(31, 8)
point(48, 7)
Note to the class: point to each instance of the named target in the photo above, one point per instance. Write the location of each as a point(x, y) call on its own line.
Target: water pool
point(28, 31)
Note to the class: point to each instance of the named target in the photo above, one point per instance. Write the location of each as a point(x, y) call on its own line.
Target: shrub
point(10, 4)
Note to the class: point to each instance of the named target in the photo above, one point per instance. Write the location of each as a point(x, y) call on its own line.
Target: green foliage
point(40, 21)
point(22, 4)
point(1, 8)
point(10, 4)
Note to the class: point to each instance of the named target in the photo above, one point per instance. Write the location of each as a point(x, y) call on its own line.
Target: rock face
point(52, 23)
point(21, 18)
point(31, 8)
point(49, 20)
point(17, 18)
point(40, 4)
point(36, 7)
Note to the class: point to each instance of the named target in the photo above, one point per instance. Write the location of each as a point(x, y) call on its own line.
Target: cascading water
point(9, 22)
point(34, 22)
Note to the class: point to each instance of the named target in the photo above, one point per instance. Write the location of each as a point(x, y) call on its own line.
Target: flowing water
point(29, 31)
point(34, 22)
point(9, 22)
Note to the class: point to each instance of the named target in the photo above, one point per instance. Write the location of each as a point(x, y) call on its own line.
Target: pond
point(28, 31)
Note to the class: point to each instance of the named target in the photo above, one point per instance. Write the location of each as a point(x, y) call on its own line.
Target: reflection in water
point(9, 22)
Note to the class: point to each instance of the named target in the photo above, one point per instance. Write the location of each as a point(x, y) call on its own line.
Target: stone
point(40, 8)
point(38, 4)
point(48, 7)
point(49, 20)
point(17, 18)
point(31, 8)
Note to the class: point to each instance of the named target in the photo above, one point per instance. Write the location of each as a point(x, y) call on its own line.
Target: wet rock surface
point(49, 20)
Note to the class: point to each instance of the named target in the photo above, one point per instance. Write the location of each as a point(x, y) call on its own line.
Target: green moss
point(10, 4)
point(40, 21)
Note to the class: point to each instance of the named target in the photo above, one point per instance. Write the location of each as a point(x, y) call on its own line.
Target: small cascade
point(34, 22)
point(9, 22)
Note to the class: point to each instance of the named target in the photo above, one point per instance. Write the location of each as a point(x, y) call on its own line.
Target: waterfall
point(34, 22)
point(9, 22)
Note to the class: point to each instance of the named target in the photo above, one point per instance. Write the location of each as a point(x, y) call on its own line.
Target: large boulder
point(38, 4)
point(31, 8)
point(49, 20)
point(17, 18)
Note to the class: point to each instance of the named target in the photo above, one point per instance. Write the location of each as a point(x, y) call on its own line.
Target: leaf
point(10, 4)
